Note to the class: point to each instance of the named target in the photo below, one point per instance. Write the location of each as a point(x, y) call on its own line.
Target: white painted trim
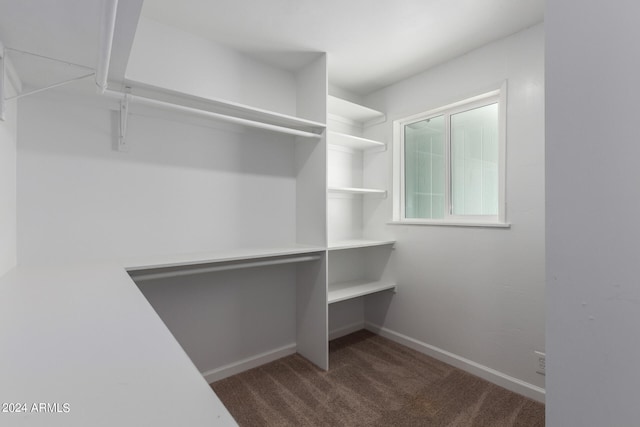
point(234, 368)
point(502, 153)
point(452, 223)
point(346, 330)
point(503, 380)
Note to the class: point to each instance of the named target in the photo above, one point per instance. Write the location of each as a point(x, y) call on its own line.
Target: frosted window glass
point(424, 168)
point(474, 161)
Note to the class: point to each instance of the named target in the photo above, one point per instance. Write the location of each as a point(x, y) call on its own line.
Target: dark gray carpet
point(372, 381)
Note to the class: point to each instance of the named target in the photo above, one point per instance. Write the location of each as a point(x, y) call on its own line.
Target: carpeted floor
point(372, 381)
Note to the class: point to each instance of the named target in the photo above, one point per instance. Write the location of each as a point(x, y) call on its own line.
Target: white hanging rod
point(223, 267)
point(106, 42)
point(210, 114)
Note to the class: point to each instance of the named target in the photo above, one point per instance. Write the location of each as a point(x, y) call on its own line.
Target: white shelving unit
point(303, 139)
point(356, 263)
point(276, 158)
point(347, 148)
point(358, 288)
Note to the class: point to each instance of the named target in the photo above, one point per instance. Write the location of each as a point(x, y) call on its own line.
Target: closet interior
point(254, 242)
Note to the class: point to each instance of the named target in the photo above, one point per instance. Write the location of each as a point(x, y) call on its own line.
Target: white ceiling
point(67, 30)
point(371, 43)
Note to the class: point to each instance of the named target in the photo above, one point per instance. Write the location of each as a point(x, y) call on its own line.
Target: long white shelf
point(348, 290)
point(352, 111)
point(353, 190)
point(354, 142)
point(221, 110)
point(358, 243)
point(216, 257)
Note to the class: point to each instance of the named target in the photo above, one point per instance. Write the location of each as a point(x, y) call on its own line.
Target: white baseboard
point(222, 372)
point(346, 330)
point(484, 372)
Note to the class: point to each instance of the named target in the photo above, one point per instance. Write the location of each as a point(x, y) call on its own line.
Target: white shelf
point(358, 243)
point(235, 255)
point(353, 190)
point(352, 111)
point(348, 290)
point(354, 142)
point(219, 109)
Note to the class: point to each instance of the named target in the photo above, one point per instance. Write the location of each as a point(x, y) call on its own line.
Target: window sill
point(453, 223)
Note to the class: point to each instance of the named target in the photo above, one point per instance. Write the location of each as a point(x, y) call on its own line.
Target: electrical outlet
point(540, 360)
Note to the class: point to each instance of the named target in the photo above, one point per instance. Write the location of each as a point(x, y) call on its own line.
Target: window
point(450, 164)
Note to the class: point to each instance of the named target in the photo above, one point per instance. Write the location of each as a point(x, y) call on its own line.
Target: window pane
point(424, 168)
point(474, 161)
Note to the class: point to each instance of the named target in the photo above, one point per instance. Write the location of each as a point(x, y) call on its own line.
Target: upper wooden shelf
point(354, 112)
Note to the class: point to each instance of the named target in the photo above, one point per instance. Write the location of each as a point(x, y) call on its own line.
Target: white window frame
point(500, 220)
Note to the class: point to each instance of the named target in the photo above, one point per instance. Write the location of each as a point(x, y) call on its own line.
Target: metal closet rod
point(209, 114)
point(223, 267)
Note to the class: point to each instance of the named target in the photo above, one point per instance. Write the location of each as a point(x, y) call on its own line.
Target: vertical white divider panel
point(312, 336)
point(311, 158)
point(311, 216)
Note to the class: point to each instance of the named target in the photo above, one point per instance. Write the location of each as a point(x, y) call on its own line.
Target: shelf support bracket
point(10, 80)
point(124, 115)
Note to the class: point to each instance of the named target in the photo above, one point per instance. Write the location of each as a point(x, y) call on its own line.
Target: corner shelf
point(354, 142)
point(353, 190)
point(358, 243)
point(349, 290)
point(354, 112)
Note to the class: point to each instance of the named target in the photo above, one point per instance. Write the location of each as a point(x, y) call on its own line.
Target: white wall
point(181, 188)
point(472, 293)
point(593, 260)
point(223, 318)
point(169, 58)
point(8, 147)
